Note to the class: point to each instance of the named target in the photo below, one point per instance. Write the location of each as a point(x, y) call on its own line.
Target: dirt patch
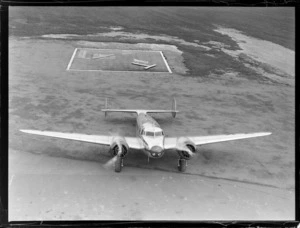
point(129, 36)
point(263, 51)
point(171, 52)
point(141, 46)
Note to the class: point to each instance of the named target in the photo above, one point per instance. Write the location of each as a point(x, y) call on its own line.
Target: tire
point(118, 164)
point(182, 165)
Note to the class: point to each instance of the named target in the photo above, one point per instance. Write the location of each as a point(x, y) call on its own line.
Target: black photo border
point(5, 4)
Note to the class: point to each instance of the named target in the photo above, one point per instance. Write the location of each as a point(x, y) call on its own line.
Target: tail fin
point(107, 110)
point(174, 108)
point(106, 105)
point(106, 101)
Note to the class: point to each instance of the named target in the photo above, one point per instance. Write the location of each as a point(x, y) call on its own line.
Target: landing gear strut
point(182, 164)
point(118, 164)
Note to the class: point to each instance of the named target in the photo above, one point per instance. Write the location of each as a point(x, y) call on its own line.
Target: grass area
point(44, 96)
point(225, 102)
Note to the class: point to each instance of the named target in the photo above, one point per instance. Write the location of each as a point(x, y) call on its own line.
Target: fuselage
point(151, 135)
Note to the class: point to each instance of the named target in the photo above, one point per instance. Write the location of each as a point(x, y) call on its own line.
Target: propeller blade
point(186, 149)
point(110, 162)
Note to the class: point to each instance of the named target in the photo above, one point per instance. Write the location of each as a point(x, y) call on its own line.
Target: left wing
point(171, 142)
point(132, 142)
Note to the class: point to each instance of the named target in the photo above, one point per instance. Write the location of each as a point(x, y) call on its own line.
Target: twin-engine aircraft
point(149, 138)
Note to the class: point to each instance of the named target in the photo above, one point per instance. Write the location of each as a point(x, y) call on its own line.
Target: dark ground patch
point(276, 25)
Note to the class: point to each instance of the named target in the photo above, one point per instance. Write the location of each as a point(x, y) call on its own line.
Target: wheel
point(118, 164)
point(182, 165)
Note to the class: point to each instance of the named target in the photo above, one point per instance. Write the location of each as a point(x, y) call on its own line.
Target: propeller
point(112, 161)
point(186, 150)
point(189, 152)
point(115, 133)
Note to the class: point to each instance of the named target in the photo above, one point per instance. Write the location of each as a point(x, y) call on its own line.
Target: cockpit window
point(158, 133)
point(149, 133)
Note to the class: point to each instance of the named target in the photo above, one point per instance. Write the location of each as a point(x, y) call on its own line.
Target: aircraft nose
point(156, 149)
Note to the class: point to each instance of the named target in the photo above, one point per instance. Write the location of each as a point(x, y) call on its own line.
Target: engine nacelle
point(185, 148)
point(119, 146)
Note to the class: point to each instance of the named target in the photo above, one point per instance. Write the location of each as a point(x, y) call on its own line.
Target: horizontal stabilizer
point(138, 111)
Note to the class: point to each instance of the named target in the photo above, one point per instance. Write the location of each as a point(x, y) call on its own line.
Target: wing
point(132, 142)
point(202, 140)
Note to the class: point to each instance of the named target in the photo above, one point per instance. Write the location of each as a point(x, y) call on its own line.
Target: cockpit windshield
point(158, 133)
point(151, 133)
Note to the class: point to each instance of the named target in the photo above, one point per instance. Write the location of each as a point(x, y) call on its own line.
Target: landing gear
point(118, 164)
point(182, 164)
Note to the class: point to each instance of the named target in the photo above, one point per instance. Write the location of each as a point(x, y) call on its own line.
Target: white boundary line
point(162, 55)
point(118, 49)
point(128, 71)
point(75, 51)
point(71, 60)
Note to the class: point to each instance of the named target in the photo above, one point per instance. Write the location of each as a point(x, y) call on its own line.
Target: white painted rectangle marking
point(122, 50)
point(81, 51)
point(148, 67)
point(162, 55)
point(72, 58)
point(128, 71)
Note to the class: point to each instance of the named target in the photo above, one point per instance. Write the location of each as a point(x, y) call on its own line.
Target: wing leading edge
point(132, 142)
point(170, 142)
point(135, 143)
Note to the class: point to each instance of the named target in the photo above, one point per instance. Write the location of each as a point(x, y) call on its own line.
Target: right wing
point(171, 142)
point(223, 138)
point(132, 142)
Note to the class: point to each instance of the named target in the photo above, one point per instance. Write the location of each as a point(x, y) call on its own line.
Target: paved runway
point(51, 188)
